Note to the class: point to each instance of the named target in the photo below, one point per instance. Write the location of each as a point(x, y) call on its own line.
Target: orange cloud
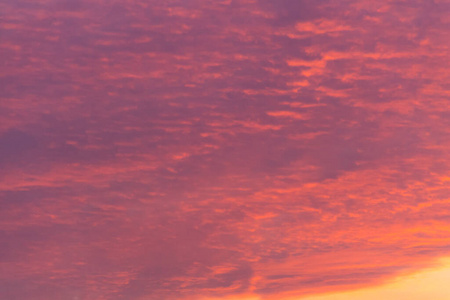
point(223, 149)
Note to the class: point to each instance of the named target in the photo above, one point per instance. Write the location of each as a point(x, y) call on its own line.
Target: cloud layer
point(189, 149)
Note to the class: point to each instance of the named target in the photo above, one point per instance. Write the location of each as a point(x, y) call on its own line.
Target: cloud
point(190, 150)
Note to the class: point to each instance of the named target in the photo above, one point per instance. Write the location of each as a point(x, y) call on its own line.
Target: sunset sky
point(224, 149)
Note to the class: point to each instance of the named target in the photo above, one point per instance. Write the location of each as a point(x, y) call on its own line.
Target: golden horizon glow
point(428, 283)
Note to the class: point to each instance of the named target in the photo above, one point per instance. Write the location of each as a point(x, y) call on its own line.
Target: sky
point(224, 149)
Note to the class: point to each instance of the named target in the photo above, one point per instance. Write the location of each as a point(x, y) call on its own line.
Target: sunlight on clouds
point(211, 150)
point(428, 284)
point(431, 283)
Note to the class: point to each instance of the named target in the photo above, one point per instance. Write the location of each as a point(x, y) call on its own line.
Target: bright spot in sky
point(430, 284)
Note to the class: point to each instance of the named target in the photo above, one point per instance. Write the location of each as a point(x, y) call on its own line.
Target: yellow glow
point(429, 284)
point(426, 285)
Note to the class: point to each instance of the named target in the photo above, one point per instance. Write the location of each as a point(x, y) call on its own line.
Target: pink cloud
point(190, 150)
